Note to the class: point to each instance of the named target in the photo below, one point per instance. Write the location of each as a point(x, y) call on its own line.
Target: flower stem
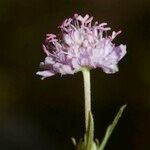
point(87, 95)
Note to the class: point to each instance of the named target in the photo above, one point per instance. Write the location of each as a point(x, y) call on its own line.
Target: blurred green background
point(44, 115)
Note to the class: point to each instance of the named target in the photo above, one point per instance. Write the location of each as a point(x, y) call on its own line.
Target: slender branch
point(87, 95)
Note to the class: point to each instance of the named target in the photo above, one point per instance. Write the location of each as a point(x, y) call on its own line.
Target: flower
point(81, 44)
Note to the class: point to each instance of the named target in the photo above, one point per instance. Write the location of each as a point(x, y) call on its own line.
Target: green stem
point(87, 95)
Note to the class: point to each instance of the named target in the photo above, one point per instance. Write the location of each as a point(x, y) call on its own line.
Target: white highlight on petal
point(45, 74)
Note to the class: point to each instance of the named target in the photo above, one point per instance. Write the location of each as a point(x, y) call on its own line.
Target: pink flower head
point(81, 44)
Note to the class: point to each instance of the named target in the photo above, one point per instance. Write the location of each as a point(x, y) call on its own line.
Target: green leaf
point(74, 141)
point(88, 142)
point(90, 132)
point(81, 145)
point(111, 127)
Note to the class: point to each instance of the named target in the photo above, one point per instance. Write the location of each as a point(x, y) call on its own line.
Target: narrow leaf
point(74, 141)
point(90, 132)
point(110, 128)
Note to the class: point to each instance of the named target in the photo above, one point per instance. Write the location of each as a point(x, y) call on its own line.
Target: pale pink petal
point(45, 74)
point(82, 43)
